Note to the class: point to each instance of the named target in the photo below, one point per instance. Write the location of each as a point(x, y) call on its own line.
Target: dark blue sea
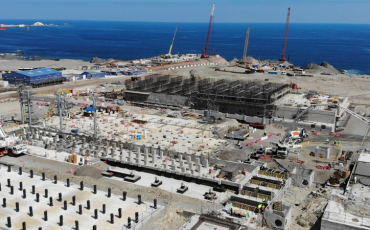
point(345, 46)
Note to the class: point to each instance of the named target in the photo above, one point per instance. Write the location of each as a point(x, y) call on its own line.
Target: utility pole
point(95, 131)
point(60, 112)
point(29, 108)
point(22, 105)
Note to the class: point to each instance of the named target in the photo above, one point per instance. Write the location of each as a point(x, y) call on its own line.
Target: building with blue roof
point(35, 78)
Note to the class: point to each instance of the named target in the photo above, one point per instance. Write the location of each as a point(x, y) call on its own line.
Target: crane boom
point(173, 39)
point(286, 36)
point(205, 51)
point(246, 46)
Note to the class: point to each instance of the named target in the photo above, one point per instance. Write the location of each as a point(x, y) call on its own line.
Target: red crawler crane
point(286, 36)
point(205, 50)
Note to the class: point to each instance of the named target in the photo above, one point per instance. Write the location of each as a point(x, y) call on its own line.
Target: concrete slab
point(86, 220)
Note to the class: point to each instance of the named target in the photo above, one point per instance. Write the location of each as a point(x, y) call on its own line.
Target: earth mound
point(87, 170)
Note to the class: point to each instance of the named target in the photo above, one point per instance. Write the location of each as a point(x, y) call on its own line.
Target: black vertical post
point(65, 205)
point(112, 218)
point(76, 225)
point(129, 222)
point(24, 194)
point(37, 197)
point(31, 173)
point(20, 170)
point(94, 189)
point(96, 213)
point(43, 176)
point(103, 211)
point(0, 186)
point(51, 201)
point(11, 190)
point(40, 228)
point(88, 205)
point(16, 206)
point(61, 220)
point(109, 192)
point(21, 186)
point(139, 199)
point(9, 220)
point(80, 209)
point(60, 197)
point(46, 215)
point(120, 213)
point(9, 168)
point(55, 179)
point(4, 202)
point(46, 193)
point(94, 227)
point(33, 189)
point(73, 200)
point(24, 226)
point(68, 184)
point(81, 185)
point(136, 217)
point(124, 195)
point(155, 203)
point(31, 211)
point(8, 180)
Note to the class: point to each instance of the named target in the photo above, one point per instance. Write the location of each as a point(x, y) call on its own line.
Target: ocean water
point(345, 46)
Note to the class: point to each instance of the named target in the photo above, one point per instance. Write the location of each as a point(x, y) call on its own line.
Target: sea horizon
point(345, 46)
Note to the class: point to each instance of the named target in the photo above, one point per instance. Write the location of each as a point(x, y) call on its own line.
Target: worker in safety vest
point(327, 141)
point(263, 200)
point(338, 142)
point(259, 207)
point(265, 133)
point(231, 209)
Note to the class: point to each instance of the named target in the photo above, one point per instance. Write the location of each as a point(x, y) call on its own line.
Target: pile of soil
point(90, 171)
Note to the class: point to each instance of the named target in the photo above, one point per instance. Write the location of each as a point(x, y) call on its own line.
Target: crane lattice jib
point(286, 35)
point(205, 51)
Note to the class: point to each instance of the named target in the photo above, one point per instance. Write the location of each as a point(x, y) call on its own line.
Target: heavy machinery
point(205, 50)
point(291, 136)
point(244, 60)
point(173, 39)
point(7, 142)
point(286, 36)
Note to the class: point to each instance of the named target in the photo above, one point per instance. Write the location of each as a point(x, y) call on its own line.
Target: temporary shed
point(92, 74)
point(35, 78)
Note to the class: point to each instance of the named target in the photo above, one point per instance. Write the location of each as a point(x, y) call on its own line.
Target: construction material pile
point(87, 170)
point(323, 68)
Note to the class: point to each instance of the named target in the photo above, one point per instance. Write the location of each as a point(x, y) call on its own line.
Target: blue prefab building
point(91, 74)
point(35, 78)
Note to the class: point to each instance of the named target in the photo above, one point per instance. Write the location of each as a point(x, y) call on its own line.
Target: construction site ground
point(306, 208)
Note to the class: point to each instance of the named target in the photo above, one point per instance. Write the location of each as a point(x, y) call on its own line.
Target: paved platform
point(86, 220)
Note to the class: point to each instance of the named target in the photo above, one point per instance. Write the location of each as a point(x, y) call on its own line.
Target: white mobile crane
point(8, 143)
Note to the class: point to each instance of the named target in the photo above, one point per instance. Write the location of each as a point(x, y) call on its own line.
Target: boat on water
point(3, 28)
